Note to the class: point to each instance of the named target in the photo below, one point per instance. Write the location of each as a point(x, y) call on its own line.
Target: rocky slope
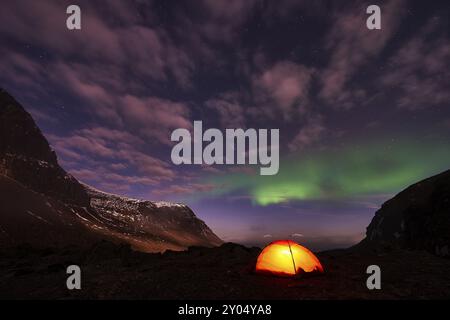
point(26, 156)
point(43, 205)
point(416, 218)
point(149, 225)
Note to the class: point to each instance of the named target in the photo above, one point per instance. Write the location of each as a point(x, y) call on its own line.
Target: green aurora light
point(377, 168)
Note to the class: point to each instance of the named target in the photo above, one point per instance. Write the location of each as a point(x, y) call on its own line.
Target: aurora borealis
point(361, 113)
point(372, 169)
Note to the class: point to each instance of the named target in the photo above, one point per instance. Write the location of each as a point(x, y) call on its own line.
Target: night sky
point(362, 113)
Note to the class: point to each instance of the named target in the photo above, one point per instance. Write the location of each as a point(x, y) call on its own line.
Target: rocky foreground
point(116, 272)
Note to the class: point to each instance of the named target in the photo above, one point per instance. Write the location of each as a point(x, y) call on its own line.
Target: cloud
point(18, 69)
point(116, 161)
point(267, 236)
point(100, 41)
point(106, 152)
point(285, 87)
point(49, 17)
point(40, 115)
point(351, 46)
point(185, 189)
point(223, 18)
point(154, 116)
point(104, 93)
point(80, 80)
point(310, 133)
point(231, 113)
point(419, 72)
point(109, 181)
point(155, 55)
point(297, 235)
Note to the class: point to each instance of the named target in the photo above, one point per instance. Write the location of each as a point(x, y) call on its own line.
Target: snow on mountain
point(101, 198)
point(163, 222)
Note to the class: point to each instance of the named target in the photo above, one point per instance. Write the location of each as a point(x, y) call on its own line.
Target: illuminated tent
point(287, 258)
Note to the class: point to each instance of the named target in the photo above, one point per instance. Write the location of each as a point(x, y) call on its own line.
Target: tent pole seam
point(292, 256)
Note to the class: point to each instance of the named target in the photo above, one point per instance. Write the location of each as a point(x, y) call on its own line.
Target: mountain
point(416, 218)
point(26, 156)
point(41, 204)
point(149, 225)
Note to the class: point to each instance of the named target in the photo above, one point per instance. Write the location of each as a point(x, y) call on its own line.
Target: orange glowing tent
point(287, 258)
